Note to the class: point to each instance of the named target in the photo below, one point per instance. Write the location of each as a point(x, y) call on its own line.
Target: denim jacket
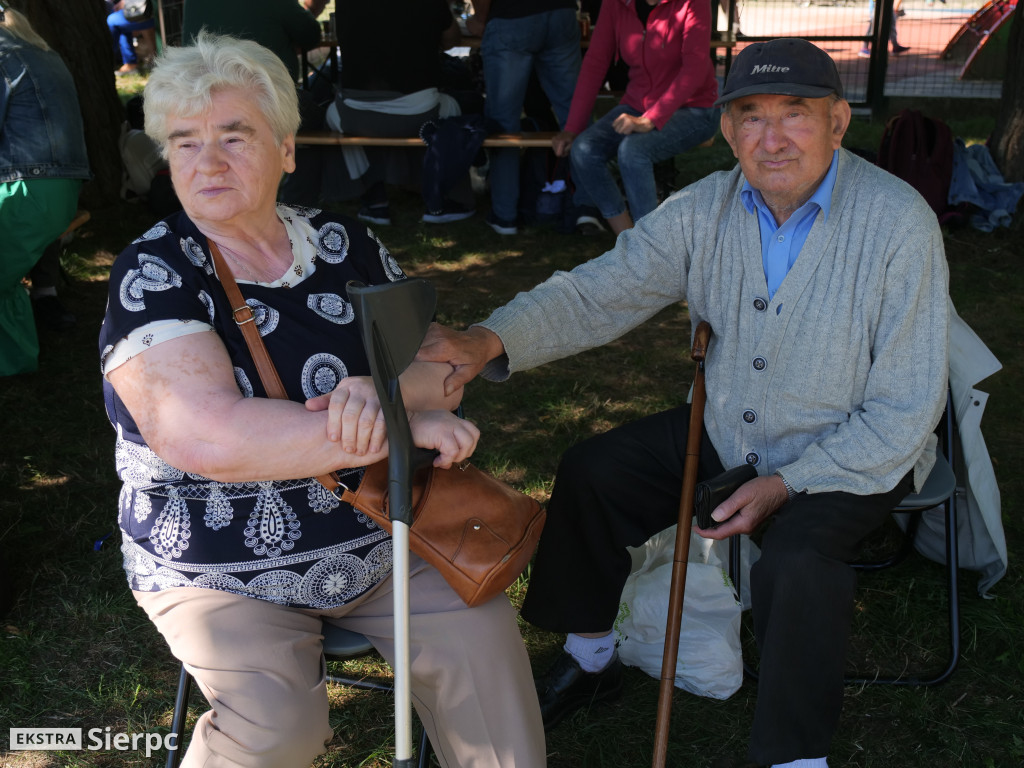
point(41, 132)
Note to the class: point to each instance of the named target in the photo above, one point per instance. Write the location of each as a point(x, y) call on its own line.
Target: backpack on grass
point(919, 150)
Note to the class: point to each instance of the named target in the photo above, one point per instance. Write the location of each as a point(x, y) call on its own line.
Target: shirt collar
point(822, 196)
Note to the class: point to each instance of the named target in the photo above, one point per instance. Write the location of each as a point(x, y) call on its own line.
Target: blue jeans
point(121, 31)
point(511, 48)
point(636, 154)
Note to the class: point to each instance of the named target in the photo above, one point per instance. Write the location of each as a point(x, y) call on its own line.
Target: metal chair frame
point(339, 645)
point(940, 490)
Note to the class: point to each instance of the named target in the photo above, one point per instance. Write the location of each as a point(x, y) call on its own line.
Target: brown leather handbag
point(478, 532)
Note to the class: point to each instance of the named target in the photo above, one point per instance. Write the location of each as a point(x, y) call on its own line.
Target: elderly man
point(825, 283)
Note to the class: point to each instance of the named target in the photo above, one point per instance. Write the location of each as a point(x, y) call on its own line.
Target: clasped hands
point(355, 418)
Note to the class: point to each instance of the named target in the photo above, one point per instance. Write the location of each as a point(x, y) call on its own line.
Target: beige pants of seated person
point(260, 667)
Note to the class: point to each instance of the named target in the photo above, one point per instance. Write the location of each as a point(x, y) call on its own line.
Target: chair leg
point(953, 593)
point(367, 684)
point(180, 714)
point(185, 690)
point(424, 750)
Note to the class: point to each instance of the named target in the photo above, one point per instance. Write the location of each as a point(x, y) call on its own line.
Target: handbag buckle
point(245, 308)
point(338, 491)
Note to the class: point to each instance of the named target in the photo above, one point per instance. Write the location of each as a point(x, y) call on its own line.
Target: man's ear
point(841, 116)
point(728, 130)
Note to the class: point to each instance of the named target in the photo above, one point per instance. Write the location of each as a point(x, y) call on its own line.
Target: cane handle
point(701, 339)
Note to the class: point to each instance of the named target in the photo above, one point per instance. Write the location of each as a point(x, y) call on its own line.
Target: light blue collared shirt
point(781, 245)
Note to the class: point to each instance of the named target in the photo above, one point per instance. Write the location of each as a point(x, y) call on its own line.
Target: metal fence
point(931, 48)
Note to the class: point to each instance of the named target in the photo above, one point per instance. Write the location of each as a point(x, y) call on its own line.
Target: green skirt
point(33, 213)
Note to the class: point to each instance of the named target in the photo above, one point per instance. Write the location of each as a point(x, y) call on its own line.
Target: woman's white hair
point(16, 23)
point(185, 79)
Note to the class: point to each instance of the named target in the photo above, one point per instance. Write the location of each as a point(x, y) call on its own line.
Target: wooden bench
point(333, 139)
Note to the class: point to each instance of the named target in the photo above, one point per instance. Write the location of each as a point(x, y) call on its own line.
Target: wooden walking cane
point(682, 549)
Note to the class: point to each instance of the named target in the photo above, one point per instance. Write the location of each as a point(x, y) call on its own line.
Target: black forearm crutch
point(682, 549)
point(393, 319)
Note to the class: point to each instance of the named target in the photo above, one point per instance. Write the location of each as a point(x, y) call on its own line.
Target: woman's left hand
point(354, 415)
point(626, 124)
point(453, 438)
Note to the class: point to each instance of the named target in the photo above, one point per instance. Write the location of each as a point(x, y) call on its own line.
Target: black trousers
point(620, 488)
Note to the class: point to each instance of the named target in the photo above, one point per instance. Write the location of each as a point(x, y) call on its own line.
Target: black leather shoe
point(566, 687)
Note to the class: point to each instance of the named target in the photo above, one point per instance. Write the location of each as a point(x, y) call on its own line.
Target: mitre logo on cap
point(788, 67)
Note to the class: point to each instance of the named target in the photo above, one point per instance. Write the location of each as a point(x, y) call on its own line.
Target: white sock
point(592, 653)
point(814, 762)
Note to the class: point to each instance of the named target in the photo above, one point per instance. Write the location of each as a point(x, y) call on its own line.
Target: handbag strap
point(246, 322)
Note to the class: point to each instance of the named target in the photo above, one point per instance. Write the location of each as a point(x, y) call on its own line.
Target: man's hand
point(626, 124)
point(746, 509)
point(315, 7)
point(466, 351)
point(561, 142)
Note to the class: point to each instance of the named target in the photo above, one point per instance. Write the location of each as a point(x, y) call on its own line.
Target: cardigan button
point(760, 304)
point(749, 416)
point(752, 458)
point(759, 363)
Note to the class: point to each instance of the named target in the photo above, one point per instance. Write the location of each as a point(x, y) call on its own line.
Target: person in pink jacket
point(667, 107)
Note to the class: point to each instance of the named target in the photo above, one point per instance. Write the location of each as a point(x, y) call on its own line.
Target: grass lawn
point(76, 651)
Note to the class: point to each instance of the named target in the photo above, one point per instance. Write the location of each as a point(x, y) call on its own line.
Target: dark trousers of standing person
point(620, 488)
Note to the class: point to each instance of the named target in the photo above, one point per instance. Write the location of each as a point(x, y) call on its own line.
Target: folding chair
point(339, 645)
point(939, 490)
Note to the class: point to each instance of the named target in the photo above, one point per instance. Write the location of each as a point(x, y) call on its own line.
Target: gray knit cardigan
point(838, 381)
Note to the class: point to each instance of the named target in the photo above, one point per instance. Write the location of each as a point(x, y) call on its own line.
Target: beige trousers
point(260, 667)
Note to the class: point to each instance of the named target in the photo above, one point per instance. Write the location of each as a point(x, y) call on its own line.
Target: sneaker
point(864, 53)
point(451, 212)
point(589, 225)
point(377, 214)
point(898, 49)
point(501, 226)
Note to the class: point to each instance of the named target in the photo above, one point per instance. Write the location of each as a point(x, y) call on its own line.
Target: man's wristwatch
point(785, 482)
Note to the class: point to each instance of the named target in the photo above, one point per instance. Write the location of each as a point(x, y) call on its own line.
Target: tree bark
point(77, 30)
point(1007, 143)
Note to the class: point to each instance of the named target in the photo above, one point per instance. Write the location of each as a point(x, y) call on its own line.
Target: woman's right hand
point(453, 438)
point(561, 142)
point(354, 415)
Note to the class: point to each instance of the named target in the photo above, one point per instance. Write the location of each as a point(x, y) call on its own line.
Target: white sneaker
point(589, 225)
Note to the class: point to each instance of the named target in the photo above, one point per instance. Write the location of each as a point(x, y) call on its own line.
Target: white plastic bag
point(709, 662)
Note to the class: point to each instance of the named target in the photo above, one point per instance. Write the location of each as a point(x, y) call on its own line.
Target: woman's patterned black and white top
point(290, 542)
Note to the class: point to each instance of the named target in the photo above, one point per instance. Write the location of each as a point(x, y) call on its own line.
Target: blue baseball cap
point(789, 66)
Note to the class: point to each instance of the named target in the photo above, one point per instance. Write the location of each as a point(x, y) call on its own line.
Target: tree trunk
point(1008, 137)
point(77, 30)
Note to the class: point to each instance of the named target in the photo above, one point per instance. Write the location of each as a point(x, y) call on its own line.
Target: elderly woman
point(233, 549)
